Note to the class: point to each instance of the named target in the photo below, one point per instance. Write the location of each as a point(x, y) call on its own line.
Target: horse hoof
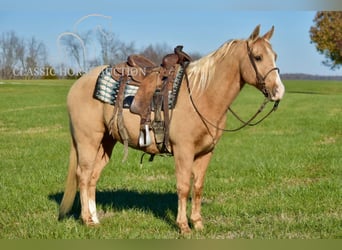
point(185, 229)
point(90, 223)
point(198, 225)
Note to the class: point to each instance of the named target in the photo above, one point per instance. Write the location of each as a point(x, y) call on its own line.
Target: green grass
point(280, 179)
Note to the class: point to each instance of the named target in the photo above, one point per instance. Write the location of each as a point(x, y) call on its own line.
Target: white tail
point(70, 185)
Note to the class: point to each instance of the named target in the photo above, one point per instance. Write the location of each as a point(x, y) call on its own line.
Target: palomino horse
point(209, 88)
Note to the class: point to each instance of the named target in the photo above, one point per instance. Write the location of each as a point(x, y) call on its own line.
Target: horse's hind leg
point(86, 159)
point(103, 155)
point(198, 169)
point(87, 152)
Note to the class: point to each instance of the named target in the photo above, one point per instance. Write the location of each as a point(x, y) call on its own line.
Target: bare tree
point(126, 50)
point(113, 50)
point(156, 52)
point(36, 54)
point(195, 55)
point(21, 53)
point(20, 58)
point(75, 46)
point(8, 52)
point(110, 46)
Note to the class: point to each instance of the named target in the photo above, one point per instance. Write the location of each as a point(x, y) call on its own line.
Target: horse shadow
point(161, 205)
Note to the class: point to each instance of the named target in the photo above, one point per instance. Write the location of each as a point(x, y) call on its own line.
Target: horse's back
point(82, 90)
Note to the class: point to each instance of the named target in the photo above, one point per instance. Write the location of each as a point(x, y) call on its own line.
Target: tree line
point(22, 58)
point(103, 47)
point(302, 76)
point(28, 57)
point(20, 54)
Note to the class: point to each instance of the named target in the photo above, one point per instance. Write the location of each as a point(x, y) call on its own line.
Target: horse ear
point(255, 33)
point(269, 34)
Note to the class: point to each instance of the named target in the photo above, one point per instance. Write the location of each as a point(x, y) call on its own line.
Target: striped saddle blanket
point(106, 89)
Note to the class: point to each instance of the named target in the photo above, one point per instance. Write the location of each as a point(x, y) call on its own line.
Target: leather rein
point(261, 85)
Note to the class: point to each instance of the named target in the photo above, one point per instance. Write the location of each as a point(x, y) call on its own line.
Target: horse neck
point(223, 87)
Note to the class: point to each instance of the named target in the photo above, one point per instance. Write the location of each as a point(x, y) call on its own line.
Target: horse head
point(258, 66)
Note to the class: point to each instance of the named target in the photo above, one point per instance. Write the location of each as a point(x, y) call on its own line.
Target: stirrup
point(144, 137)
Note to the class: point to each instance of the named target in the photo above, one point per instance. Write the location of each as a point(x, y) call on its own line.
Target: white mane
point(200, 72)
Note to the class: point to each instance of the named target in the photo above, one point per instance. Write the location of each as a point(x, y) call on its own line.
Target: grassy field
point(281, 179)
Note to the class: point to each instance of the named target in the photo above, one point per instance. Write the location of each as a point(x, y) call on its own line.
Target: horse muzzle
point(278, 91)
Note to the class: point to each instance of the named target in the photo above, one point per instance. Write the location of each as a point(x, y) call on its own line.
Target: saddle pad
point(106, 89)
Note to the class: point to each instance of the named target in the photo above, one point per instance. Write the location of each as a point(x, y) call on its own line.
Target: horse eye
point(258, 58)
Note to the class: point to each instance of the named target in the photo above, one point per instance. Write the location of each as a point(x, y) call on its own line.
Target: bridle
point(260, 84)
point(260, 80)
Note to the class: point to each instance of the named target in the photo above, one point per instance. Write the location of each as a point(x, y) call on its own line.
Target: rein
point(260, 84)
point(249, 122)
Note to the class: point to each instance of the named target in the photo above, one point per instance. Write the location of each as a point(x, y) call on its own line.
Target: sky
point(200, 26)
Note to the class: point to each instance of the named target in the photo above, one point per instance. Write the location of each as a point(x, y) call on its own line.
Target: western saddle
point(154, 84)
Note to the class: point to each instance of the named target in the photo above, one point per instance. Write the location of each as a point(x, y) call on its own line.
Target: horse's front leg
point(198, 169)
point(183, 162)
